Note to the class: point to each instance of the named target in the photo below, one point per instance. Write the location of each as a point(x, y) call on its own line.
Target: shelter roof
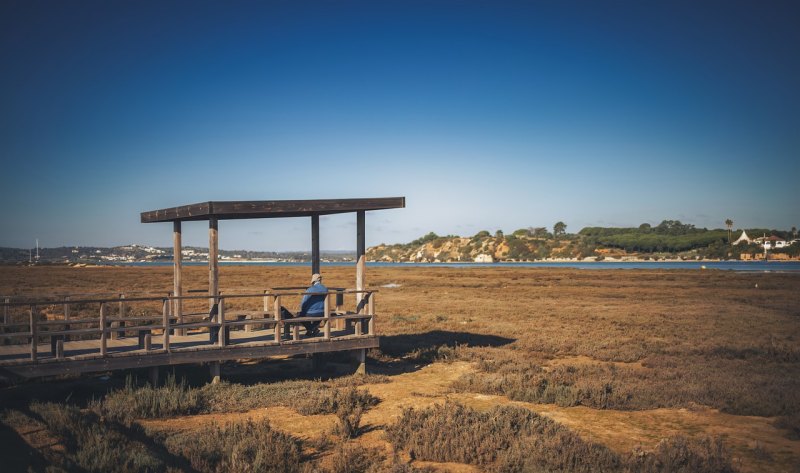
point(224, 210)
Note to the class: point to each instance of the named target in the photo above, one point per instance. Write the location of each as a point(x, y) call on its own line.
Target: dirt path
point(619, 430)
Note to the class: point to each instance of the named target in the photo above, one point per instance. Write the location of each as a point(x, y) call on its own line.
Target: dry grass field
point(480, 369)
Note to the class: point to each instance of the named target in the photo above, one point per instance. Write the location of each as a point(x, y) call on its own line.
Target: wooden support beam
point(314, 244)
point(154, 376)
point(177, 273)
point(216, 372)
point(361, 361)
point(361, 263)
point(60, 349)
point(148, 342)
point(213, 260)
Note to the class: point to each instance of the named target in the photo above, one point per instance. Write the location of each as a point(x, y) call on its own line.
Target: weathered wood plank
point(52, 367)
point(270, 209)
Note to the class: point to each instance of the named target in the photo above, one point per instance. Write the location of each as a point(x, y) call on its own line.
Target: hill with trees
point(671, 239)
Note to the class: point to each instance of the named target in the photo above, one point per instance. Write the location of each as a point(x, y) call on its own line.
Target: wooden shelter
point(226, 210)
point(81, 340)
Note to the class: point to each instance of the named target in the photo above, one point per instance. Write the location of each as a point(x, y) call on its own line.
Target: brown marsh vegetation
point(593, 345)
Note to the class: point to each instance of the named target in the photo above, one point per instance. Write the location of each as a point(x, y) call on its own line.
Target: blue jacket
point(313, 305)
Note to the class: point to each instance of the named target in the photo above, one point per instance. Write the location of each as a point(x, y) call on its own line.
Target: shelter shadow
point(406, 344)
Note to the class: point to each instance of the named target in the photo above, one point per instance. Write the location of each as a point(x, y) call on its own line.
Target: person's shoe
point(313, 332)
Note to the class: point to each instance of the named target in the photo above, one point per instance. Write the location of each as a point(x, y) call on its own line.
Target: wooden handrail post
point(67, 309)
point(327, 316)
point(102, 329)
point(165, 312)
point(371, 309)
point(5, 310)
point(34, 333)
point(122, 305)
point(221, 340)
point(277, 309)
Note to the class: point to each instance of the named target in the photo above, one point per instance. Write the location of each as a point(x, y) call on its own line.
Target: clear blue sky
point(485, 115)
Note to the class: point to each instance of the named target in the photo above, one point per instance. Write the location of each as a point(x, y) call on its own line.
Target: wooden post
point(371, 312)
point(222, 338)
point(327, 316)
point(34, 333)
point(148, 342)
point(216, 372)
point(102, 329)
point(314, 244)
point(213, 263)
point(361, 360)
point(165, 312)
point(361, 263)
point(121, 315)
point(67, 310)
point(177, 267)
point(60, 349)
point(277, 309)
point(5, 311)
point(295, 332)
point(114, 332)
point(154, 376)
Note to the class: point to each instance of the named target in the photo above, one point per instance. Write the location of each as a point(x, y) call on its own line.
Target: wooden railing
point(107, 326)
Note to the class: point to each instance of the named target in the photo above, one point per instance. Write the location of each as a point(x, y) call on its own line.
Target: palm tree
point(729, 224)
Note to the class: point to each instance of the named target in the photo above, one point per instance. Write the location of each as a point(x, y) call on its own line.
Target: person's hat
point(316, 278)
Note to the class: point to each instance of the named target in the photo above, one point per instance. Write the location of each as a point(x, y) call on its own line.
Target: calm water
point(770, 266)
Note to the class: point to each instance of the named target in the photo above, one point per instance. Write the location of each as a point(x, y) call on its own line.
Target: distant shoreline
point(733, 265)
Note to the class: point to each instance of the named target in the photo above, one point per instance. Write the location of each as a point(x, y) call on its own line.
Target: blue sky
point(484, 115)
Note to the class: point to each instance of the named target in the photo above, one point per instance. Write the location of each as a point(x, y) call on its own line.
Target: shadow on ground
point(404, 345)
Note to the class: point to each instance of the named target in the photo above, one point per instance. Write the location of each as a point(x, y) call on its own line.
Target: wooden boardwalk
point(71, 346)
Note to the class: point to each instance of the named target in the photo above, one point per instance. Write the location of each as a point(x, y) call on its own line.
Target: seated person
point(313, 305)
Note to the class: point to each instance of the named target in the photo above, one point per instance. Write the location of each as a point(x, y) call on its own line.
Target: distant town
point(147, 254)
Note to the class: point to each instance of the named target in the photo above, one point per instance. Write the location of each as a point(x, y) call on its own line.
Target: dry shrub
point(513, 439)
point(177, 398)
point(354, 458)
point(326, 401)
point(244, 447)
point(791, 423)
point(503, 439)
point(348, 458)
point(91, 445)
point(349, 405)
point(170, 399)
point(665, 381)
point(677, 455)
